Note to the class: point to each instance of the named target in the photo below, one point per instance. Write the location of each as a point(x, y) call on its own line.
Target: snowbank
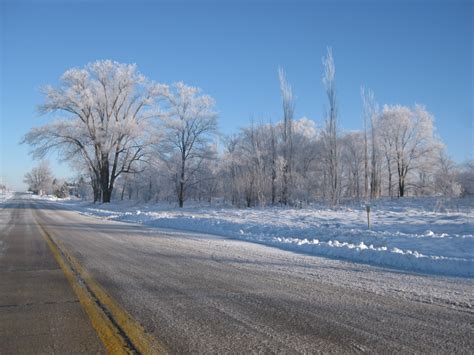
point(415, 234)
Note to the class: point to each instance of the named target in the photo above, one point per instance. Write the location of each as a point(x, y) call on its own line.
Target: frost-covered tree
point(387, 146)
point(254, 174)
point(249, 168)
point(466, 178)
point(206, 184)
point(83, 187)
point(255, 166)
point(189, 123)
point(105, 110)
point(330, 136)
point(60, 188)
point(128, 137)
point(366, 119)
point(408, 140)
point(230, 168)
point(39, 179)
point(446, 176)
point(288, 101)
point(306, 153)
point(372, 172)
point(353, 161)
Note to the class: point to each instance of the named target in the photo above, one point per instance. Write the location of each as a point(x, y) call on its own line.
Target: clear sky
point(406, 51)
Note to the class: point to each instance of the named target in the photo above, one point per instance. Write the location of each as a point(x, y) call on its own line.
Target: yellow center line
point(119, 332)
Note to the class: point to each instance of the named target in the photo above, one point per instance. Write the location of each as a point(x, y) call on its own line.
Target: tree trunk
point(234, 187)
point(401, 186)
point(390, 193)
point(123, 191)
point(150, 189)
point(96, 193)
point(402, 171)
point(366, 160)
point(106, 196)
point(274, 157)
point(104, 180)
point(181, 182)
point(284, 192)
point(181, 194)
point(95, 189)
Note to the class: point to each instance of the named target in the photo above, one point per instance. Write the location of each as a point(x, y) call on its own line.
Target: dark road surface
point(39, 312)
point(197, 293)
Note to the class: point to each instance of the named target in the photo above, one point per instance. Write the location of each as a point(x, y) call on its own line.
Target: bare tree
point(273, 145)
point(107, 107)
point(254, 172)
point(366, 116)
point(230, 163)
point(330, 131)
point(352, 151)
point(466, 178)
point(39, 179)
point(446, 176)
point(255, 163)
point(305, 153)
point(288, 110)
point(370, 109)
point(387, 145)
point(369, 112)
point(189, 123)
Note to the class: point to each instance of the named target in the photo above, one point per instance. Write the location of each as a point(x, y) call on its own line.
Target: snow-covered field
point(5, 196)
point(431, 235)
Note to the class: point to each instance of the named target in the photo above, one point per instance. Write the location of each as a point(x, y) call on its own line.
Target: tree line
point(41, 181)
point(130, 137)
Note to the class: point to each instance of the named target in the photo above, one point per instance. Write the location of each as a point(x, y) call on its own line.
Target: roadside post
point(367, 208)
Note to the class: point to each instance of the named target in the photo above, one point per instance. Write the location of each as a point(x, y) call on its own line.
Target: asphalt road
point(39, 312)
point(198, 293)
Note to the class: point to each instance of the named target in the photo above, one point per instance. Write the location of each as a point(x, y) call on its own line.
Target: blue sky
point(406, 51)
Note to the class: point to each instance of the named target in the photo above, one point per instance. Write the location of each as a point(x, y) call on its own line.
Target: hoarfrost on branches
point(106, 110)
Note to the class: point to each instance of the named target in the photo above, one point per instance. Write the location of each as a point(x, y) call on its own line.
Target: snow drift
point(414, 234)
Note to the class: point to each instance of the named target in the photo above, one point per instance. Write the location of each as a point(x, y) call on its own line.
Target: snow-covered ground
point(4, 196)
point(4, 215)
point(432, 235)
